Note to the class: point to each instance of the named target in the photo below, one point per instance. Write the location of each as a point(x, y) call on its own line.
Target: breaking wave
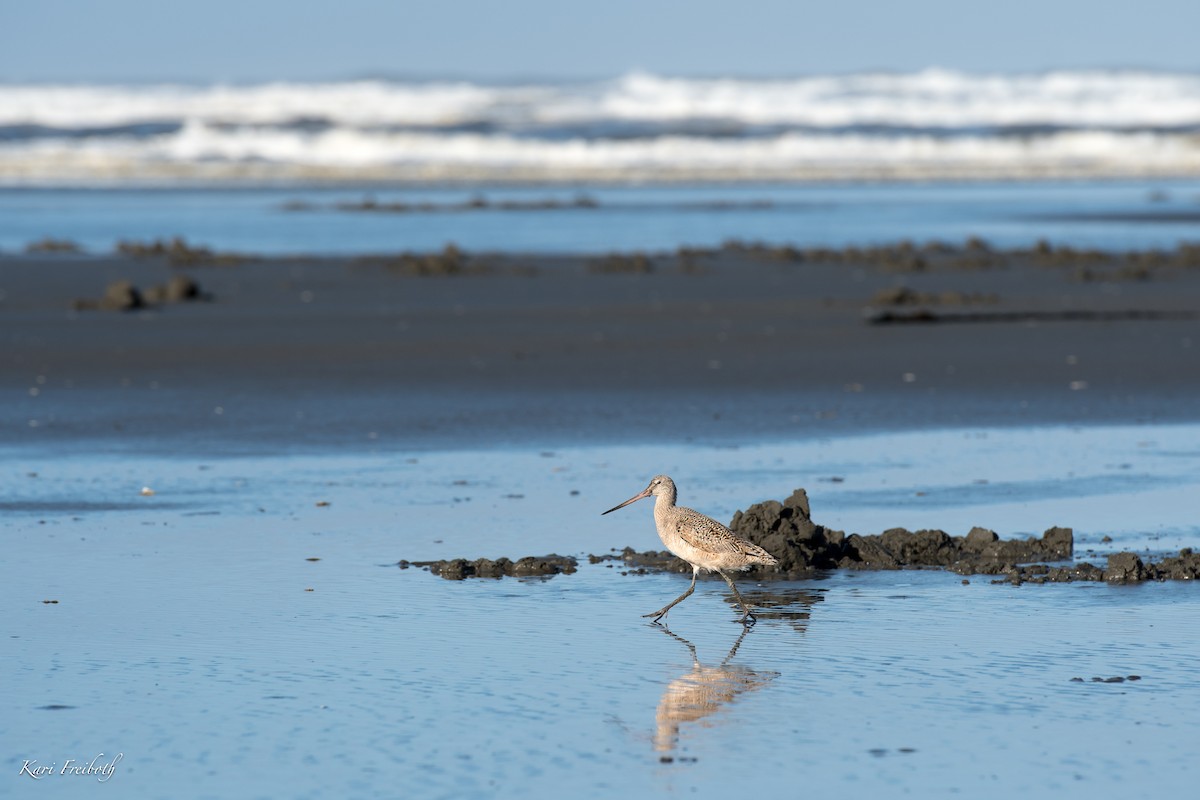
point(933, 123)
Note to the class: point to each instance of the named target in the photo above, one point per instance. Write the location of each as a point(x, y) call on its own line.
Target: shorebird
point(700, 541)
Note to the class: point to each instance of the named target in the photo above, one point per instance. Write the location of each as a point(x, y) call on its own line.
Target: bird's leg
point(662, 611)
point(691, 647)
point(747, 615)
point(733, 650)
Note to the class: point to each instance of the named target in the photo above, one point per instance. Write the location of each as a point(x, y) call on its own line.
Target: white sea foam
point(199, 151)
point(929, 123)
point(928, 98)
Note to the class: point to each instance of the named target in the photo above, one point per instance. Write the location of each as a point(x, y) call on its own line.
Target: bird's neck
point(664, 502)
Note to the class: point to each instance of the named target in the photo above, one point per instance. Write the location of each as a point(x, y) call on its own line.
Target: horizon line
point(515, 79)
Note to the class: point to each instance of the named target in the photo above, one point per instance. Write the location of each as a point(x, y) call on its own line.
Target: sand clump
point(457, 569)
point(476, 203)
point(449, 262)
point(178, 253)
point(124, 296)
point(905, 296)
point(786, 530)
point(622, 264)
point(52, 245)
point(1123, 567)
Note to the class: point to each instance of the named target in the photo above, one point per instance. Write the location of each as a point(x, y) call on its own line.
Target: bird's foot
point(748, 619)
point(656, 614)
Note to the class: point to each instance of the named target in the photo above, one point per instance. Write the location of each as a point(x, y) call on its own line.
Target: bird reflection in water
point(697, 695)
point(702, 692)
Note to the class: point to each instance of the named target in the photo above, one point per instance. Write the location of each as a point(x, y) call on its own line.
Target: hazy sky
point(147, 40)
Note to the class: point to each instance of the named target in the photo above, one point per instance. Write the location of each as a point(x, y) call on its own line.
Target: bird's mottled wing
point(705, 533)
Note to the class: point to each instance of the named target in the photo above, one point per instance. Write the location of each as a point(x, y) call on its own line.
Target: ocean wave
point(199, 151)
point(934, 123)
point(930, 98)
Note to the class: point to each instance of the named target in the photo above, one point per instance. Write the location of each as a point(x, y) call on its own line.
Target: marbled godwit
point(699, 540)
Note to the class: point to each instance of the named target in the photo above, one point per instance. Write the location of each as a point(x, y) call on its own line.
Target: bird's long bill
point(633, 499)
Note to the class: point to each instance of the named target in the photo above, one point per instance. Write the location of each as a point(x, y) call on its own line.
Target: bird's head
point(660, 486)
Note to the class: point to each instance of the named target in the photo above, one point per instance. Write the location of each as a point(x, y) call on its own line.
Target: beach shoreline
point(739, 343)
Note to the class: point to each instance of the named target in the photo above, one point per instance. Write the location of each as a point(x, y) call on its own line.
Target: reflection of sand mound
point(793, 606)
point(702, 692)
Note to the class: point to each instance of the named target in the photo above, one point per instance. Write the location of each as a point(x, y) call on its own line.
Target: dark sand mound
point(178, 253)
point(786, 530)
point(456, 569)
point(122, 295)
point(52, 245)
point(1124, 567)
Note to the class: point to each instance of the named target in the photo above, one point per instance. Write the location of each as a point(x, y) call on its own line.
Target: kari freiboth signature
point(101, 767)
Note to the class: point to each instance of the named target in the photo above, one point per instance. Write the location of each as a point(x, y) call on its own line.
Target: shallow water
point(1104, 214)
point(185, 637)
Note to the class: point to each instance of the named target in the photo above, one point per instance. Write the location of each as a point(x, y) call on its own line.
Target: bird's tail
point(759, 556)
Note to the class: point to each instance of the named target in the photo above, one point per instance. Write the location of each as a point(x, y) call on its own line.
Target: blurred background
point(259, 126)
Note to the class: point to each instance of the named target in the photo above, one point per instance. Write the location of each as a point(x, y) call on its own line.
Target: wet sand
point(457, 349)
